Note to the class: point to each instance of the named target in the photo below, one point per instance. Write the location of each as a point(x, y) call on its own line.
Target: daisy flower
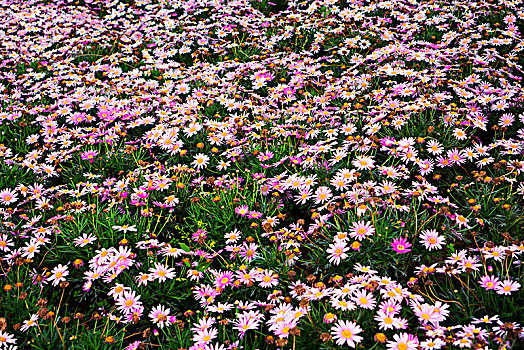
point(435, 343)
point(364, 300)
point(489, 282)
point(143, 278)
point(339, 183)
point(434, 147)
point(125, 228)
point(322, 194)
point(255, 214)
point(223, 165)
point(129, 301)
point(171, 251)
point(486, 320)
point(341, 304)
point(200, 161)
point(205, 336)
point(403, 341)
point(506, 120)
point(385, 320)
point(89, 155)
point(246, 277)
point(159, 315)
point(484, 161)
point(162, 273)
point(361, 230)
point(58, 274)
point(401, 245)
point(507, 287)
point(29, 323)
point(431, 239)
point(7, 196)
point(345, 332)
point(223, 279)
point(5, 243)
point(84, 240)
point(283, 329)
point(337, 252)
point(470, 263)
point(427, 313)
point(365, 163)
point(303, 196)
point(365, 269)
point(6, 338)
point(194, 275)
point(242, 210)
point(459, 134)
point(462, 221)
point(220, 308)
point(464, 342)
point(390, 307)
point(249, 251)
point(268, 279)
point(232, 237)
point(245, 323)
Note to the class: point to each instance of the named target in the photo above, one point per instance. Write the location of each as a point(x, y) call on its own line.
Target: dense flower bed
point(252, 174)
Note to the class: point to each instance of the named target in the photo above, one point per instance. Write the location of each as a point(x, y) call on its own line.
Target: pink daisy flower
point(431, 239)
point(345, 332)
point(7, 196)
point(364, 300)
point(337, 252)
point(322, 194)
point(249, 251)
point(84, 240)
point(160, 315)
point(365, 163)
point(489, 282)
point(129, 302)
point(268, 279)
point(242, 210)
point(361, 230)
point(403, 341)
point(162, 273)
point(5, 243)
point(224, 279)
point(507, 287)
point(89, 155)
point(205, 336)
point(245, 323)
point(401, 245)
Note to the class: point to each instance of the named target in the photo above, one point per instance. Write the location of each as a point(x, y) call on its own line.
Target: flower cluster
point(219, 175)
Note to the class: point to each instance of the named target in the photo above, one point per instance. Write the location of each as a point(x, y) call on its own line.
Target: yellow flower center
point(347, 334)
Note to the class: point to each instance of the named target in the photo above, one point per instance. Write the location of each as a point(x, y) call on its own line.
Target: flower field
point(234, 174)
